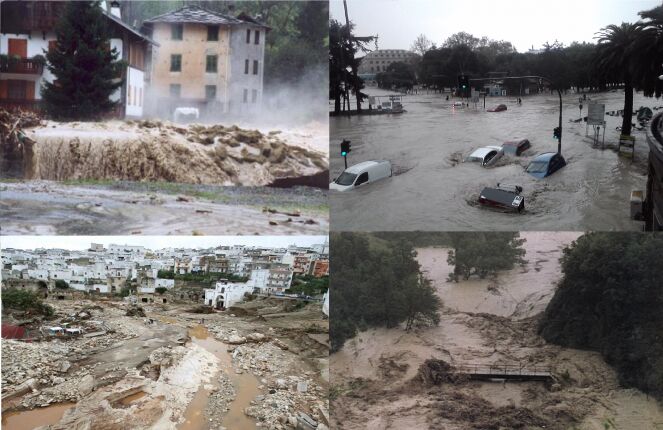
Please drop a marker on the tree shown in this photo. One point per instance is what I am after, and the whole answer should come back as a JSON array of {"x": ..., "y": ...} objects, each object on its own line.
[
  {"x": 461, "y": 39},
  {"x": 484, "y": 254},
  {"x": 61, "y": 284},
  {"x": 610, "y": 300},
  {"x": 421, "y": 45},
  {"x": 87, "y": 72},
  {"x": 13, "y": 298},
  {"x": 344, "y": 66},
  {"x": 649, "y": 50},
  {"x": 398, "y": 74},
  {"x": 160, "y": 290},
  {"x": 615, "y": 60}
]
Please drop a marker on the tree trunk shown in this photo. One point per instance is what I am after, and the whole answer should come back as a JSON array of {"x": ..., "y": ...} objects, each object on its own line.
[
  {"x": 628, "y": 107},
  {"x": 337, "y": 103}
]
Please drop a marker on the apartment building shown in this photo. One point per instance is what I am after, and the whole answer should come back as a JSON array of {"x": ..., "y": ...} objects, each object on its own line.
[{"x": 208, "y": 61}]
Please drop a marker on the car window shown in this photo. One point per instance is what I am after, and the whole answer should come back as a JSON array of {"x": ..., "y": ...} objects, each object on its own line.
[
  {"x": 362, "y": 178},
  {"x": 346, "y": 178},
  {"x": 489, "y": 156},
  {"x": 537, "y": 167},
  {"x": 509, "y": 149}
]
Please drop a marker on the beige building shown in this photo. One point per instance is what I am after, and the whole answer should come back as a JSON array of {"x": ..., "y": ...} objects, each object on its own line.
[
  {"x": 206, "y": 60},
  {"x": 377, "y": 61}
]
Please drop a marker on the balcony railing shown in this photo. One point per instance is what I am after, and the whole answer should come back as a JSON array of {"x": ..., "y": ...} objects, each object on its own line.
[
  {"x": 23, "y": 65},
  {"x": 25, "y": 105}
]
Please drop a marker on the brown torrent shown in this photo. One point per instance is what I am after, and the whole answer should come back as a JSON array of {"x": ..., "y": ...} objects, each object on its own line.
[{"x": 198, "y": 154}]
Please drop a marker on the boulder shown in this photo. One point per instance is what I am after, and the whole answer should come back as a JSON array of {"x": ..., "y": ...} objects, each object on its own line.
[{"x": 236, "y": 339}]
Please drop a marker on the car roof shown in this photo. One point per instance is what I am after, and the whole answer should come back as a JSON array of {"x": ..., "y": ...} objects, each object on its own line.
[
  {"x": 358, "y": 168},
  {"x": 483, "y": 151},
  {"x": 514, "y": 142},
  {"x": 546, "y": 156}
]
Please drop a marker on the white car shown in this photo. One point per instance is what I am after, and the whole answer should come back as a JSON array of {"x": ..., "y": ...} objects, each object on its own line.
[
  {"x": 361, "y": 174},
  {"x": 487, "y": 155}
]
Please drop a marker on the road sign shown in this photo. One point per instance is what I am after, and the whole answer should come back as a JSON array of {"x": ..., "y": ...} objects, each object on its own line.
[{"x": 596, "y": 114}]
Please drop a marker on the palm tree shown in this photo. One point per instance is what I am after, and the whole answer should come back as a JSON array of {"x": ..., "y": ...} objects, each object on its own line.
[
  {"x": 615, "y": 58},
  {"x": 649, "y": 46}
]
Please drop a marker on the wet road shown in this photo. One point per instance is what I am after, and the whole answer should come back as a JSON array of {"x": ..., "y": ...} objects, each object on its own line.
[{"x": 431, "y": 190}]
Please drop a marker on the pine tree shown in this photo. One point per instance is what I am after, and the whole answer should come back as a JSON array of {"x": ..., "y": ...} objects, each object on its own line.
[{"x": 86, "y": 70}]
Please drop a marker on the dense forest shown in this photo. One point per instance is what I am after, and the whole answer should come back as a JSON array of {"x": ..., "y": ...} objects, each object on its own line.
[
  {"x": 610, "y": 300},
  {"x": 297, "y": 42},
  {"x": 376, "y": 283}
]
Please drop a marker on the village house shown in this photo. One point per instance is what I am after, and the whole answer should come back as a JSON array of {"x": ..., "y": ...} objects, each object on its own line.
[
  {"x": 27, "y": 32},
  {"x": 225, "y": 294},
  {"x": 207, "y": 61},
  {"x": 319, "y": 268}
]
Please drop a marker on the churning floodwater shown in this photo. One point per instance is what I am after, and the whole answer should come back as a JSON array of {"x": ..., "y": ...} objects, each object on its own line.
[{"x": 432, "y": 189}]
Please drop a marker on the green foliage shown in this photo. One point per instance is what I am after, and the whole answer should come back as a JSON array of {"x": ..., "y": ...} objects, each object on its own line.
[
  {"x": 343, "y": 66},
  {"x": 397, "y": 75},
  {"x": 377, "y": 283},
  {"x": 309, "y": 285},
  {"x": 61, "y": 284},
  {"x": 160, "y": 290},
  {"x": 610, "y": 300},
  {"x": 24, "y": 300},
  {"x": 86, "y": 71},
  {"x": 200, "y": 277},
  {"x": 125, "y": 292},
  {"x": 484, "y": 254}
]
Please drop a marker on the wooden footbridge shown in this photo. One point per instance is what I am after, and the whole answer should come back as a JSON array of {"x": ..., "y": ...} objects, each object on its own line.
[{"x": 505, "y": 371}]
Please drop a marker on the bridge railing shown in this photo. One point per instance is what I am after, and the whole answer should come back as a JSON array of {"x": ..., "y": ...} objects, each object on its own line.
[{"x": 503, "y": 369}]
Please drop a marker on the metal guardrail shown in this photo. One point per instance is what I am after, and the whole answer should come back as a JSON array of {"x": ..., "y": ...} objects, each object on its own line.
[{"x": 504, "y": 369}]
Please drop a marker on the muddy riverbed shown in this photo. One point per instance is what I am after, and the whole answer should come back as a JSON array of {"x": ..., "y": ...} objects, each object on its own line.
[
  {"x": 492, "y": 321},
  {"x": 48, "y": 207},
  {"x": 432, "y": 189}
]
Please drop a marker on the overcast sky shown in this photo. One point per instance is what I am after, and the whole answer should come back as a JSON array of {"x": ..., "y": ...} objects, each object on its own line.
[
  {"x": 522, "y": 22},
  {"x": 155, "y": 242}
]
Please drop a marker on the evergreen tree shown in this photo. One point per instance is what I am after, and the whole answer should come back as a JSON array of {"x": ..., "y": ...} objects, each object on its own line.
[{"x": 86, "y": 70}]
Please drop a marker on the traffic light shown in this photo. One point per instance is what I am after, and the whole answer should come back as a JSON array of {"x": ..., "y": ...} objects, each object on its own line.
[
  {"x": 345, "y": 147},
  {"x": 557, "y": 133},
  {"x": 463, "y": 82}
]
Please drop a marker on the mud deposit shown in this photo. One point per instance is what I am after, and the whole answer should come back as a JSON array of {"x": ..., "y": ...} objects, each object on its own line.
[
  {"x": 28, "y": 420},
  {"x": 45, "y": 207},
  {"x": 162, "y": 151},
  {"x": 378, "y": 384}
]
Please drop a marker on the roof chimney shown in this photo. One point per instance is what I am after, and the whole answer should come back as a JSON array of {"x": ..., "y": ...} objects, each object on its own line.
[{"x": 115, "y": 9}]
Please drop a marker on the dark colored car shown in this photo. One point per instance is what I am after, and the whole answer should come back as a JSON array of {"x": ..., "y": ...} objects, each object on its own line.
[
  {"x": 498, "y": 108},
  {"x": 516, "y": 147},
  {"x": 545, "y": 164},
  {"x": 503, "y": 197}
]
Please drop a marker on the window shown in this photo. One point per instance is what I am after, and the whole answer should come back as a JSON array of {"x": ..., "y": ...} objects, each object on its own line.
[
  {"x": 255, "y": 67},
  {"x": 246, "y": 95},
  {"x": 17, "y": 90},
  {"x": 176, "y": 63},
  {"x": 361, "y": 179},
  {"x": 256, "y": 39},
  {"x": 210, "y": 92},
  {"x": 175, "y": 90},
  {"x": 210, "y": 66},
  {"x": 212, "y": 33},
  {"x": 176, "y": 31},
  {"x": 248, "y": 36},
  {"x": 254, "y": 96},
  {"x": 246, "y": 67}
]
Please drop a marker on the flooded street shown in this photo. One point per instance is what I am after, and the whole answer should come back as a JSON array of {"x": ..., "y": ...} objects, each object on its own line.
[{"x": 432, "y": 189}]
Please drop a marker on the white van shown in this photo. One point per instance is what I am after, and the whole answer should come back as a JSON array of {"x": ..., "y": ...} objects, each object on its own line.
[{"x": 360, "y": 174}]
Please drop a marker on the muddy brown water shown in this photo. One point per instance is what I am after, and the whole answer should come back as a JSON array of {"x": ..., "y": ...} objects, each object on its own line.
[
  {"x": 28, "y": 420},
  {"x": 432, "y": 190},
  {"x": 246, "y": 389}
]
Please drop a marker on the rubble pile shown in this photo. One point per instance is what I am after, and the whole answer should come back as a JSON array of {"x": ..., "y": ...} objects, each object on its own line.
[{"x": 12, "y": 125}]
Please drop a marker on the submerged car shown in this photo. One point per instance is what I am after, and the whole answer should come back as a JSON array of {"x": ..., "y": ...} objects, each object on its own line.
[
  {"x": 516, "y": 147},
  {"x": 545, "y": 164},
  {"x": 487, "y": 155},
  {"x": 360, "y": 174},
  {"x": 498, "y": 108},
  {"x": 506, "y": 197}
]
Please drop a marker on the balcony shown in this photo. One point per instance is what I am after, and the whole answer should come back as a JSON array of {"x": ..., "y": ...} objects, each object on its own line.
[
  {"x": 24, "y": 105},
  {"x": 21, "y": 66}
]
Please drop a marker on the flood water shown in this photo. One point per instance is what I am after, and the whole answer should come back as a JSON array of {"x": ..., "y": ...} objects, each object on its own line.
[
  {"x": 246, "y": 389},
  {"x": 431, "y": 190},
  {"x": 28, "y": 420}
]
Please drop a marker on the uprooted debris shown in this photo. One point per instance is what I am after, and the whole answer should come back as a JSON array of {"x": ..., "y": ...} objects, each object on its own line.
[
  {"x": 436, "y": 372},
  {"x": 202, "y": 309},
  {"x": 135, "y": 311}
]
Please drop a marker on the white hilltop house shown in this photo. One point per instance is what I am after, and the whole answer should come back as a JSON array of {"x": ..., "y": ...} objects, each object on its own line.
[{"x": 226, "y": 294}]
